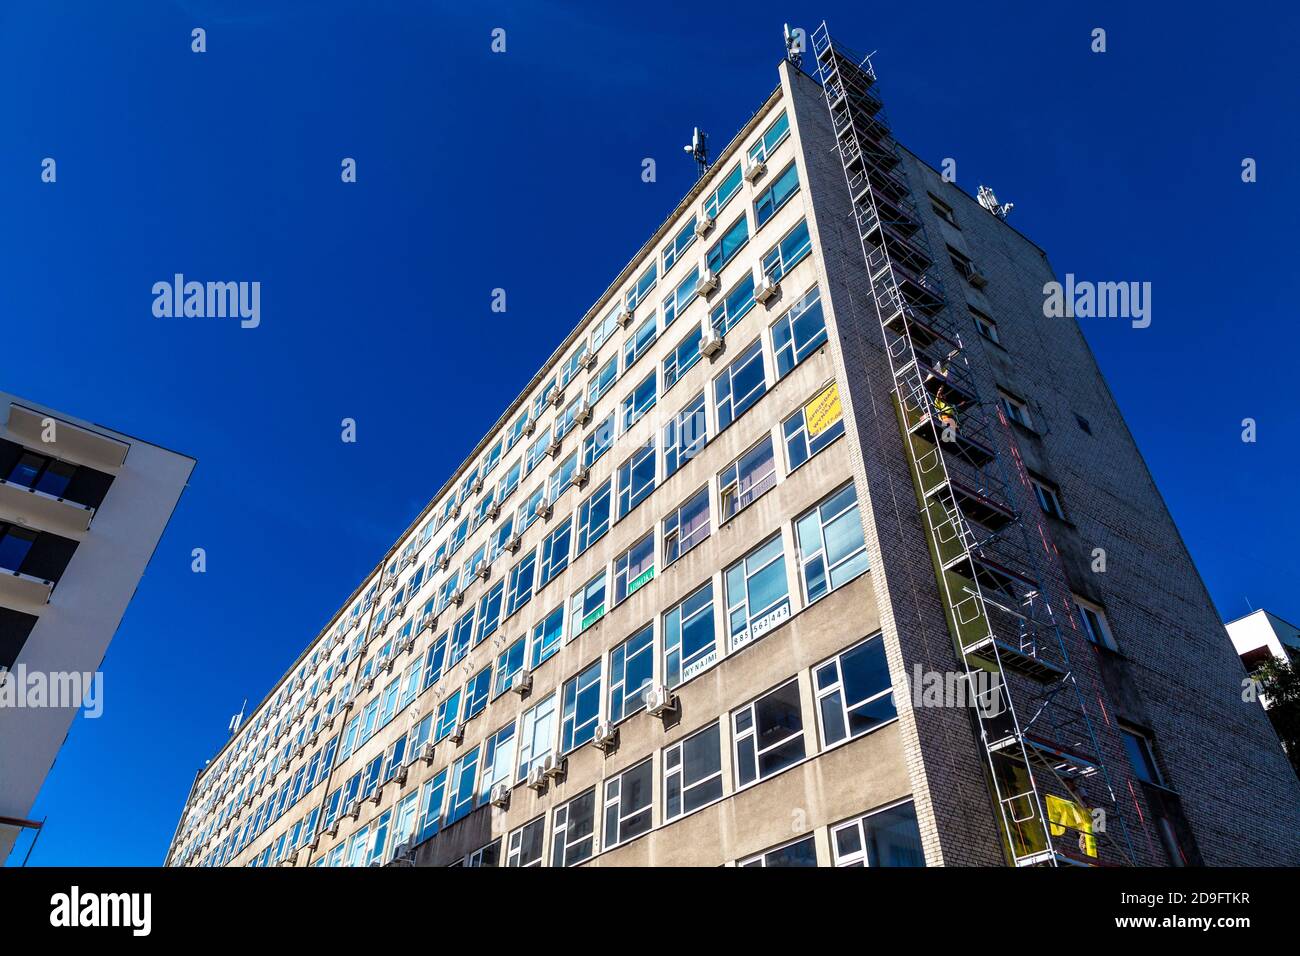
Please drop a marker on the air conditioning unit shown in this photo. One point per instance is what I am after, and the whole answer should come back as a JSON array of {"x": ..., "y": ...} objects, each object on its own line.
[
  {"x": 313, "y": 843},
  {"x": 429, "y": 622},
  {"x": 537, "y": 778},
  {"x": 512, "y": 543},
  {"x": 457, "y": 596},
  {"x": 455, "y": 510},
  {"x": 581, "y": 474},
  {"x": 606, "y": 737},
  {"x": 354, "y": 810},
  {"x": 302, "y": 749},
  {"x": 482, "y": 569},
  {"x": 444, "y": 562},
  {"x": 401, "y": 608},
  {"x": 315, "y": 736},
  {"x": 329, "y": 722},
  {"x": 377, "y": 795},
  {"x": 765, "y": 289},
  {"x": 587, "y": 361},
  {"x": 707, "y": 283},
  {"x": 476, "y": 485},
  {"x": 409, "y": 645},
  {"x": 553, "y": 766},
  {"x": 426, "y": 753},
  {"x": 583, "y": 414},
  {"x": 529, "y": 427},
  {"x": 248, "y": 800},
  {"x": 553, "y": 449},
  {"x": 556, "y": 398},
  {"x": 543, "y": 509},
  {"x": 333, "y": 831},
  {"x": 500, "y": 796},
  {"x": 754, "y": 169},
  {"x": 458, "y": 732},
  {"x": 494, "y": 510},
  {"x": 703, "y": 224},
  {"x": 711, "y": 341},
  {"x": 402, "y": 853},
  {"x": 383, "y": 627},
  {"x": 401, "y": 775},
  {"x": 623, "y": 316},
  {"x": 978, "y": 279},
  {"x": 388, "y": 667},
  {"x": 369, "y": 684},
  {"x": 659, "y": 700},
  {"x": 291, "y": 859},
  {"x": 523, "y": 683}
]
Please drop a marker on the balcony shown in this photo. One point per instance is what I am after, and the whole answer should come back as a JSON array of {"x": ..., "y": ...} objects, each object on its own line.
[
  {"x": 70, "y": 441},
  {"x": 44, "y": 510},
  {"x": 22, "y": 591}
]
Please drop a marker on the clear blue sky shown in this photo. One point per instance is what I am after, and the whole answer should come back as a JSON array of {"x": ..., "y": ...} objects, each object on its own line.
[{"x": 479, "y": 171}]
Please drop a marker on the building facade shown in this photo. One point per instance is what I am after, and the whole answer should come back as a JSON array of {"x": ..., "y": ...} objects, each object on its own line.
[
  {"x": 82, "y": 508},
  {"x": 694, "y": 599}
]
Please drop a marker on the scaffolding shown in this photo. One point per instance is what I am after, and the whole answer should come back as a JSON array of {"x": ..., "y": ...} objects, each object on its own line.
[{"x": 1000, "y": 580}]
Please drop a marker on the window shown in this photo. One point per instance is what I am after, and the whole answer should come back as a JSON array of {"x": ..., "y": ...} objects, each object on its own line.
[
  {"x": 434, "y": 660},
  {"x": 644, "y": 284},
  {"x": 685, "y": 355},
  {"x": 731, "y": 241},
  {"x": 461, "y": 791},
  {"x": 854, "y": 693},
  {"x": 1142, "y": 755},
  {"x": 942, "y": 209},
  {"x": 598, "y": 441},
  {"x": 1015, "y": 408},
  {"x": 44, "y": 474},
  {"x": 801, "y": 852},
  {"x": 1049, "y": 498},
  {"x": 690, "y": 637},
  {"x": 734, "y": 305},
  {"x": 498, "y": 760},
  {"x": 961, "y": 262},
  {"x": 768, "y": 734},
  {"x": 546, "y": 636},
  {"x": 636, "y": 478},
  {"x": 634, "y": 568},
  {"x": 524, "y": 846},
  {"x": 985, "y": 326},
  {"x": 631, "y": 671},
  {"x": 773, "y": 136},
  {"x": 476, "y": 692},
  {"x": 885, "y": 838},
  {"x": 485, "y": 856},
  {"x": 536, "y": 736},
  {"x": 489, "y": 612},
  {"x": 717, "y": 200},
  {"x": 627, "y": 804},
  {"x": 776, "y": 195},
  {"x": 565, "y": 420},
  {"x": 1083, "y": 423},
  {"x": 521, "y": 583},
  {"x": 602, "y": 380},
  {"x": 588, "y": 605},
  {"x": 687, "y": 526},
  {"x": 461, "y": 636},
  {"x": 747, "y": 478},
  {"x": 593, "y": 518},
  {"x": 639, "y": 401},
  {"x": 510, "y": 664},
  {"x": 601, "y": 333},
  {"x": 681, "y": 297},
  {"x": 555, "y": 552},
  {"x": 813, "y": 427},
  {"x": 1095, "y": 625},
  {"x": 448, "y": 716},
  {"x": 501, "y": 536},
  {"x": 681, "y": 242},
  {"x": 580, "y": 708},
  {"x": 757, "y": 593},
  {"x": 693, "y": 772},
  {"x": 741, "y": 385},
  {"x": 787, "y": 253},
  {"x": 685, "y": 435},
  {"x": 637, "y": 343},
  {"x": 15, "y": 544},
  {"x": 799, "y": 332},
  {"x": 537, "y": 451},
  {"x": 573, "y": 838},
  {"x": 831, "y": 544}
]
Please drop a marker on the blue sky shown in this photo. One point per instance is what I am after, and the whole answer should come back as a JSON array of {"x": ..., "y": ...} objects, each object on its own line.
[{"x": 478, "y": 171}]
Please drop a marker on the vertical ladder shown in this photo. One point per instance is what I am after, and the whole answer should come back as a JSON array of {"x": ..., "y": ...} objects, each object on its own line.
[{"x": 1044, "y": 767}]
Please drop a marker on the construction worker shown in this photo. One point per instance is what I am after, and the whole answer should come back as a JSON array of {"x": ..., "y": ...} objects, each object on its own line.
[{"x": 947, "y": 413}]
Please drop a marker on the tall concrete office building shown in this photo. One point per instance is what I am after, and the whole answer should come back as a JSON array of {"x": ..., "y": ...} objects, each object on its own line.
[
  {"x": 81, "y": 510},
  {"x": 813, "y": 543}
]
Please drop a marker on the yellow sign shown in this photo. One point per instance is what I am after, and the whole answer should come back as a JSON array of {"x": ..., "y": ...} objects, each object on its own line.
[
  {"x": 1065, "y": 814},
  {"x": 823, "y": 411}
]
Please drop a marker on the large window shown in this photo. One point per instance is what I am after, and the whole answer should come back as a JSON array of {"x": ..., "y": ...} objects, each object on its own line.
[
  {"x": 813, "y": 426},
  {"x": 683, "y": 357},
  {"x": 747, "y": 478},
  {"x": 636, "y": 478},
  {"x": 1095, "y": 625},
  {"x": 510, "y": 664},
  {"x": 831, "y": 545},
  {"x": 461, "y": 791},
  {"x": 734, "y": 305},
  {"x": 686, "y": 526},
  {"x": 631, "y": 671},
  {"x": 802, "y": 852},
  {"x": 627, "y": 804},
  {"x": 787, "y": 253},
  {"x": 489, "y": 612},
  {"x": 731, "y": 241},
  {"x": 634, "y": 568},
  {"x": 798, "y": 332},
  {"x": 555, "y": 552},
  {"x": 693, "y": 772},
  {"x": 639, "y": 341},
  {"x": 580, "y": 708},
  {"x": 536, "y": 736},
  {"x": 854, "y": 693},
  {"x": 521, "y": 583},
  {"x": 573, "y": 838},
  {"x": 546, "y": 636},
  {"x": 690, "y": 637},
  {"x": 758, "y": 596},
  {"x": 524, "y": 846},
  {"x": 740, "y": 385},
  {"x": 775, "y": 196},
  {"x": 772, "y": 137},
  {"x": 768, "y": 734},
  {"x": 685, "y": 435},
  {"x": 593, "y": 517},
  {"x": 498, "y": 760},
  {"x": 476, "y": 692},
  {"x": 681, "y": 242},
  {"x": 448, "y": 715},
  {"x": 887, "y": 837},
  {"x": 598, "y": 441},
  {"x": 676, "y": 303},
  {"x": 462, "y": 636},
  {"x": 603, "y": 380},
  {"x": 717, "y": 200},
  {"x": 639, "y": 401},
  {"x": 644, "y": 284},
  {"x": 588, "y": 605}
]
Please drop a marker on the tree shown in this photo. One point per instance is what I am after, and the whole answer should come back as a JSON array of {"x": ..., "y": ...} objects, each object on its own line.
[{"x": 1279, "y": 682}]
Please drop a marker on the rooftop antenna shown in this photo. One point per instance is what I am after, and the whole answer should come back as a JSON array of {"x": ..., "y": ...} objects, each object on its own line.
[
  {"x": 794, "y": 45},
  {"x": 238, "y": 719},
  {"x": 990, "y": 202},
  {"x": 698, "y": 147}
]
